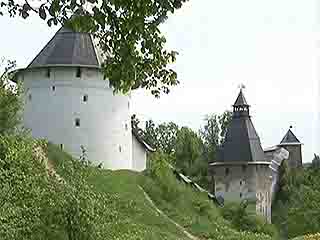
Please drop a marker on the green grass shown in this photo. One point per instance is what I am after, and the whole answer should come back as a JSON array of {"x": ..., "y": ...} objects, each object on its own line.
[
  {"x": 132, "y": 216},
  {"x": 194, "y": 211}
]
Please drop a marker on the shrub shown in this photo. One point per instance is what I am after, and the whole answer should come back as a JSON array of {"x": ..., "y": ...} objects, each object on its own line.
[{"x": 241, "y": 220}]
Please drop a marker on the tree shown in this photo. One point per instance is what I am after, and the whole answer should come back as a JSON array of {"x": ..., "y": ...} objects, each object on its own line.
[
  {"x": 135, "y": 121},
  {"x": 128, "y": 34},
  {"x": 213, "y": 133},
  {"x": 23, "y": 184},
  {"x": 224, "y": 121},
  {"x": 10, "y": 103},
  {"x": 167, "y": 137},
  {"x": 150, "y": 134},
  {"x": 188, "y": 149},
  {"x": 162, "y": 137}
]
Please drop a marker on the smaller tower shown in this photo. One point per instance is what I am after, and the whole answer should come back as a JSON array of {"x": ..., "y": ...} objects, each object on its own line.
[
  {"x": 241, "y": 172},
  {"x": 291, "y": 143}
]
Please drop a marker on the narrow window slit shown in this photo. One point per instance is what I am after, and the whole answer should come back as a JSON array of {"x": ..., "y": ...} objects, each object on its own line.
[
  {"x": 78, "y": 74},
  {"x": 77, "y": 122},
  {"x": 48, "y": 72}
]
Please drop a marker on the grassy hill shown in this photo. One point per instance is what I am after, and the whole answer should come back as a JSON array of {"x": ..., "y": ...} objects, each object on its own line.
[
  {"x": 69, "y": 200},
  {"x": 133, "y": 217}
]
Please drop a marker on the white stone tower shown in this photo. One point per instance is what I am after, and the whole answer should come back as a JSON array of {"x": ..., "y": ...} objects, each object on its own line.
[{"x": 68, "y": 102}]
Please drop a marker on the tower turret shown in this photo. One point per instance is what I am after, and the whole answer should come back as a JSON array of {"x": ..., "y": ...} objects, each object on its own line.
[
  {"x": 241, "y": 171},
  {"x": 291, "y": 143},
  {"x": 241, "y": 107}
]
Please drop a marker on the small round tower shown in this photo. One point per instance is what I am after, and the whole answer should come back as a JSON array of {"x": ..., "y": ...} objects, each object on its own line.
[
  {"x": 291, "y": 143},
  {"x": 68, "y": 102}
]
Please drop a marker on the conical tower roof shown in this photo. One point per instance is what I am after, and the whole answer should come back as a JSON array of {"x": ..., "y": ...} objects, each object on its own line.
[
  {"x": 68, "y": 48},
  {"x": 290, "y": 139},
  {"x": 241, "y": 100},
  {"x": 242, "y": 143}
]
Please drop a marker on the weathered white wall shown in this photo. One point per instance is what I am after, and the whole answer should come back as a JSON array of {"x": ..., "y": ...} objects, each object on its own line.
[
  {"x": 139, "y": 155},
  {"x": 105, "y": 125},
  {"x": 253, "y": 183},
  {"x": 238, "y": 181}
]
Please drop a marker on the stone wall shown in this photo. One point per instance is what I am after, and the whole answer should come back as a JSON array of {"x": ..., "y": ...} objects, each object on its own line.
[
  {"x": 263, "y": 191},
  {"x": 246, "y": 181},
  {"x": 295, "y": 155}
]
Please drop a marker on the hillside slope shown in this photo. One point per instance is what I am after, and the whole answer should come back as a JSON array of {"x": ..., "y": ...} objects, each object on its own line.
[
  {"x": 57, "y": 197},
  {"x": 131, "y": 216}
]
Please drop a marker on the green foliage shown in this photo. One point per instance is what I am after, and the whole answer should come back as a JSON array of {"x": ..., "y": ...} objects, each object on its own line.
[
  {"x": 124, "y": 212},
  {"x": 81, "y": 207},
  {"x": 91, "y": 203},
  {"x": 127, "y": 31},
  {"x": 25, "y": 189},
  {"x": 241, "y": 220},
  {"x": 213, "y": 133},
  {"x": 10, "y": 103},
  {"x": 36, "y": 204},
  {"x": 162, "y": 137},
  {"x": 192, "y": 209},
  {"x": 296, "y": 209},
  {"x": 188, "y": 149},
  {"x": 166, "y": 134}
]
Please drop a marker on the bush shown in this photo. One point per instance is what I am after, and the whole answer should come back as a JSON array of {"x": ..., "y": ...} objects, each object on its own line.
[{"x": 241, "y": 220}]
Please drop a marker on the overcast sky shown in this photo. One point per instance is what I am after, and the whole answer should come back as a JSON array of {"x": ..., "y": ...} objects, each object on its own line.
[{"x": 270, "y": 46}]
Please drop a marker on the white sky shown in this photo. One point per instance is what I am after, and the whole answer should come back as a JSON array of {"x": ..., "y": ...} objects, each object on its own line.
[{"x": 270, "y": 46}]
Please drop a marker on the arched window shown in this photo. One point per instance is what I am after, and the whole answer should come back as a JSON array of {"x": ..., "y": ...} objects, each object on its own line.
[{"x": 85, "y": 98}]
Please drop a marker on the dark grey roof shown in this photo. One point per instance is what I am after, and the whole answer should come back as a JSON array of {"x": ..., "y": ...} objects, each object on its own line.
[
  {"x": 290, "y": 138},
  {"x": 242, "y": 142},
  {"x": 241, "y": 100},
  {"x": 68, "y": 48}
]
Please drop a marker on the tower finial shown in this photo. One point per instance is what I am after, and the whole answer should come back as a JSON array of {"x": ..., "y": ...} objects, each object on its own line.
[
  {"x": 290, "y": 127},
  {"x": 241, "y": 86}
]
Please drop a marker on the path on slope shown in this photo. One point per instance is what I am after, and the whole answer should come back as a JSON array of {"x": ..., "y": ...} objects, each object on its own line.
[{"x": 189, "y": 235}]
